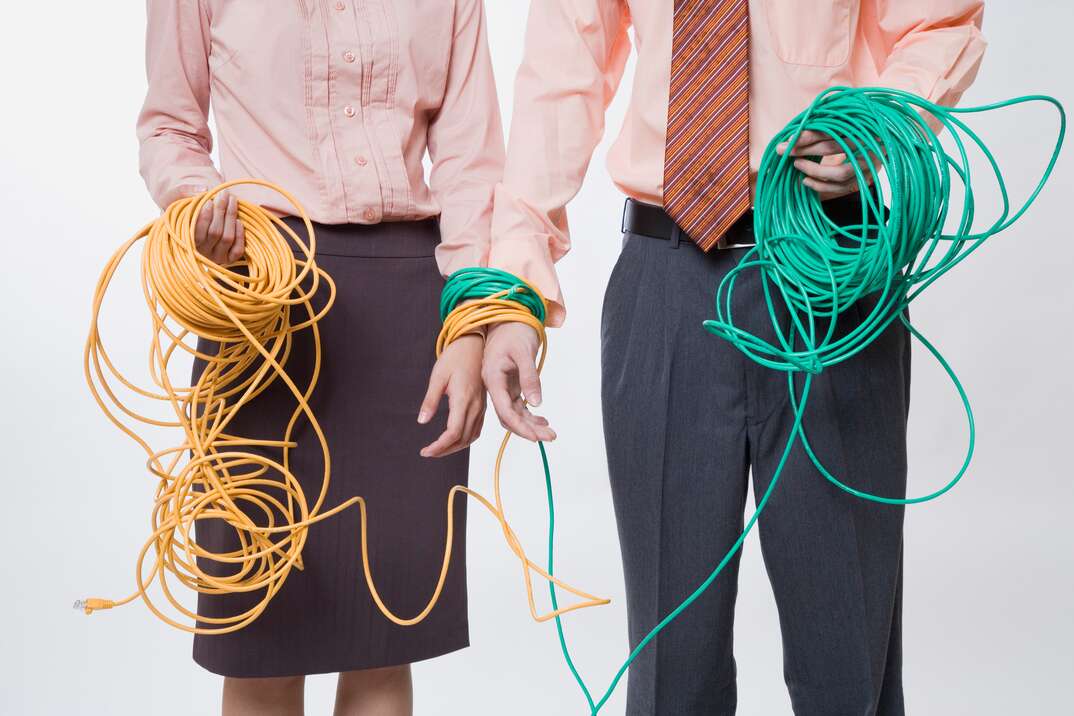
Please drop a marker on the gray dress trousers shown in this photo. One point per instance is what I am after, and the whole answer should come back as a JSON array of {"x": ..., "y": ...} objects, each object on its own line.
[{"x": 687, "y": 418}]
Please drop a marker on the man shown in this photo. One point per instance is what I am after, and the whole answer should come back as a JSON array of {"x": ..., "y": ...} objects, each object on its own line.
[{"x": 686, "y": 415}]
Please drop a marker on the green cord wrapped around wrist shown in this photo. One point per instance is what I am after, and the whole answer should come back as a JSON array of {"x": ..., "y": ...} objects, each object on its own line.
[{"x": 480, "y": 282}]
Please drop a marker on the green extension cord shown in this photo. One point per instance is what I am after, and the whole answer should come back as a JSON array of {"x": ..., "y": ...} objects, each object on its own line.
[
  {"x": 470, "y": 283},
  {"x": 820, "y": 269}
]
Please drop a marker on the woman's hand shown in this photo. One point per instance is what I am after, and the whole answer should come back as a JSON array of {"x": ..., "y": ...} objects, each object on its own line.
[
  {"x": 218, "y": 233},
  {"x": 457, "y": 374},
  {"x": 510, "y": 369}
]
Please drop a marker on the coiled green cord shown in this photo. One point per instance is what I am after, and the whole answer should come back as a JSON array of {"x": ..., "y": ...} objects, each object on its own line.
[
  {"x": 819, "y": 269},
  {"x": 479, "y": 282}
]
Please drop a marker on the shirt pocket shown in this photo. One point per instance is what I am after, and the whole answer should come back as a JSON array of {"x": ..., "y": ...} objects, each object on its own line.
[
  {"x": 249, "y": 42},
  {"x": 810, "y": 32}
]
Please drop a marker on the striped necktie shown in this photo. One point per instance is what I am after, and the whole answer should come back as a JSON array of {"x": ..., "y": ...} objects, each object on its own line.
[{"x": 706, "y": 160}]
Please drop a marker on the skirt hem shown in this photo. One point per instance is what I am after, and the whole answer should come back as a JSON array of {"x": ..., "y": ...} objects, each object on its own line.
[{"x": 221, "y": 670}]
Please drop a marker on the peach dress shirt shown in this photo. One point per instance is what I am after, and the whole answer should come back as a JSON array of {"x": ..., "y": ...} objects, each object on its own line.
[
  {"x": 337, "y": 101},
  {"x": 574, "y": 58}
]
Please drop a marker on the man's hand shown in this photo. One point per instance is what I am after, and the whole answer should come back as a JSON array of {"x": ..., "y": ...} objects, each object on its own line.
[
  {"x": 510, "y": 374},
  {"x": 457, "y": 374},
  {"x": 833, "y": 176},
  {"x": 218, "y": 233}
]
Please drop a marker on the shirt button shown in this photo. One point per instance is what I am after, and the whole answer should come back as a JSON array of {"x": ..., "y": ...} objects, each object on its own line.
[
  {"x": 348, "y": 111},
  {"x": 348, "y": 56},
  {"x": 340, "y": 6},
  {"x": 369, "y": 214},
  {"x": 360, "y": 160}
]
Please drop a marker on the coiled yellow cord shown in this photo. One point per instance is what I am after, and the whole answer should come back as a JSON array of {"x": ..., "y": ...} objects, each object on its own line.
[
  {"x": 469, "y": 318},
  {"x": 247, "y": 308}
]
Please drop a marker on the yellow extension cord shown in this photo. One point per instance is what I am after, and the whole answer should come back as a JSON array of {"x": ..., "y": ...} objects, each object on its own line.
[{"x": 247, "y": 309}]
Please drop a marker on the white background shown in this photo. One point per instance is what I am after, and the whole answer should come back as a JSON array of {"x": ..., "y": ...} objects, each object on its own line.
[{"x": 988, "y": 568}]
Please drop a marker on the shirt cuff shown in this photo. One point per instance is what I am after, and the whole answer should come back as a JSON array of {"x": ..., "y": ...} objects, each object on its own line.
[{"x": 529, "y": 258}]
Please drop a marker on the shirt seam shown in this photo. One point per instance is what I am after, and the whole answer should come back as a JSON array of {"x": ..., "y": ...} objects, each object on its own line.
[{"x": 330, "y": 102}]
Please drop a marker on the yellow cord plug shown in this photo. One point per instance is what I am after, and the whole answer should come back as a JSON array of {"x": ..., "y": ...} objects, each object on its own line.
[{"x": 94, "y": 604}]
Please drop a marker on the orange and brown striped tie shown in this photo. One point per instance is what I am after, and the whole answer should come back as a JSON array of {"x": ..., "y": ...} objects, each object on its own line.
[{"x": 706, "y": 162}]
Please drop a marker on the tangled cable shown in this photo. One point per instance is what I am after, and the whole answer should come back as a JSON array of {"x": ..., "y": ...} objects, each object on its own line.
[
  {"x": 817, "y": 269},
  {"x": 248, "y": 309}
]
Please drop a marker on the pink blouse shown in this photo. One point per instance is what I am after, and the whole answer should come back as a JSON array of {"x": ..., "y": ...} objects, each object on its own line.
[
  {"x": 335, "y": 100},
  {"x": 576, "y": 51}
]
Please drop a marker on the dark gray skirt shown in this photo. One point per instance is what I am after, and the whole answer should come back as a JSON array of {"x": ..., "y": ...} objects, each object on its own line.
[{"x": 378, "y": 342}]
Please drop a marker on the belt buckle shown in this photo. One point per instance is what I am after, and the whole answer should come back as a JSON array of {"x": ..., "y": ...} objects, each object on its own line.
[{"x": 724, "y": 242}]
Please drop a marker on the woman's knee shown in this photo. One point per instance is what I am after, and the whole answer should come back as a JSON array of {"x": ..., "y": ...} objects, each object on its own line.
[
  {"x": 378, "y": 677},
  {"x": 270, "y": 696}
]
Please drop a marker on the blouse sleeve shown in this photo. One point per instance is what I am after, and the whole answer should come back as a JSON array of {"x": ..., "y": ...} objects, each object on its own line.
[
  {"x": 465, "y": 141},
  {"x": 173, "y": 130}
]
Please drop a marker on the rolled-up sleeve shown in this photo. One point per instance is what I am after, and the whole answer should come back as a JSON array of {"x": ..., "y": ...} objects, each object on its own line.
[
  {"x": 465, "y": 141},
  {"x": 173, "y": 130},
  {"x": 931, "y": 47},
  {"x": 573, "y": 62}
]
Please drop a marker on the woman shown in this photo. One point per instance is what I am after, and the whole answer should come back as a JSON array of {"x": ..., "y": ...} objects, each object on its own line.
[{"x": 338, "y": 101}]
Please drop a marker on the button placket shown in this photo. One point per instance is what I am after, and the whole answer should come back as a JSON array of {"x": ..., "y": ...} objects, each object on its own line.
[{"x": 362, "y": 183}]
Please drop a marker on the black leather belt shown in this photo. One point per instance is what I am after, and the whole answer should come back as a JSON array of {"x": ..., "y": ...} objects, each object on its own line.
[{"x": 652, "y": 221}]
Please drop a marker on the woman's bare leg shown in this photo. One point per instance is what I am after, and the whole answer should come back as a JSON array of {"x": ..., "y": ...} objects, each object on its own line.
[
  {"x": 375, "y": 692},
  {"x": 264, "y": 697}
]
